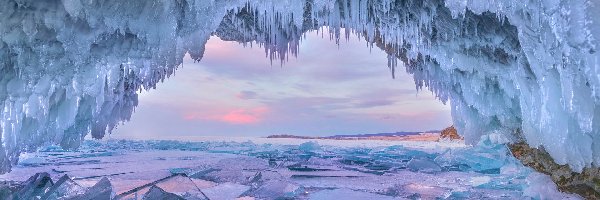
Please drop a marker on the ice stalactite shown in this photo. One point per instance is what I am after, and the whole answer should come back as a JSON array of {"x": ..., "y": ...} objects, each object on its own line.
[
  {"x": 72, "y": 68},
  {"x": 526, "y": 71}
]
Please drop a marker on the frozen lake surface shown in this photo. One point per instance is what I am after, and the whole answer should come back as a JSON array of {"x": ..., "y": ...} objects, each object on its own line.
[{"x": 260, "y": 168}]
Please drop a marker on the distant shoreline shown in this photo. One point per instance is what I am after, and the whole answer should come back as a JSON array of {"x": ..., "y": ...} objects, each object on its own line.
[{"x": 398, "y": 136}]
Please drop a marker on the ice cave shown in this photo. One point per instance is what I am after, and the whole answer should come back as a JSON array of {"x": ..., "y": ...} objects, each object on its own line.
[{"x": 522, "y": 74}]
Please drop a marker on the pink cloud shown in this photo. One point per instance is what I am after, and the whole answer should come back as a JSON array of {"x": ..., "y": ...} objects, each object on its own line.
[{"x": 238, "y": 116}]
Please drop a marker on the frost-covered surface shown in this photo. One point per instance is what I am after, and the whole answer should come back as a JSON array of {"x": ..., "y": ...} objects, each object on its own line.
[
  {"x": 227, "y": 170},
  {"x": 521, "y": 70},
  {"x": 553, "y": 82}
]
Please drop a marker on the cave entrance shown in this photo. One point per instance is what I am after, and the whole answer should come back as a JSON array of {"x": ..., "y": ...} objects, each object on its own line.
[{"x": 328, "y": 89}]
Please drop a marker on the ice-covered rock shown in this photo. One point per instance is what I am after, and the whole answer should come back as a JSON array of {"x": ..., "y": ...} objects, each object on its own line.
[
  {"x": 541, "y": 186},
  {"x": 552, "y": 82},
  {"x": 485, "y": 157}
]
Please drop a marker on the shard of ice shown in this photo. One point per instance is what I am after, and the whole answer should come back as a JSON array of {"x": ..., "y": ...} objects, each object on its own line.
[
  {"x": 276, "y": 190},
  {"x": 527, "y": 71},
  {"x": 101, "y": 190},
  {"x": 64, "y": 188},
  {"x": 156, "y": 193},
  {"x": 225, "y": 191},
  {"x": 35, "y": 186},
  {"x": 423, "y": 165}
]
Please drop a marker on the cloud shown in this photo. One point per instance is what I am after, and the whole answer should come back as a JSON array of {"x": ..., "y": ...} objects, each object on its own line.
[
  {"x": 237, "y": 116},
  {"x": 299, "y": 105},
  {"x": 245, "y": 116},
  {"x": 332, "y": 71},
  {"x": 246, "y": 95},
  {"x": 374, "y": 103}
]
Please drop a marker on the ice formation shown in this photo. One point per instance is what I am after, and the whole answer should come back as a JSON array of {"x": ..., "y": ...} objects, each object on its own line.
[
  {"x": 71, "y": 68},
  {"x": 522, "y": 70}
]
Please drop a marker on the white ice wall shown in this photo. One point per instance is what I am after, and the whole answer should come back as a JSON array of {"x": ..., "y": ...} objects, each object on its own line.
[
  {"x": 73, "y": 67},
  {"x": 557, "y": 80}
]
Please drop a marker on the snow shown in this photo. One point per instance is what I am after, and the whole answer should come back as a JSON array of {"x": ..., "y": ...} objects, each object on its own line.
[{"x": 516, "y": 69}]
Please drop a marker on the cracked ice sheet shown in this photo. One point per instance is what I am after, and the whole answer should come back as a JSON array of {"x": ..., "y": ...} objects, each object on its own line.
[
  {"x": 126, "y": 169},
  {"x": 300, "y": 170}
]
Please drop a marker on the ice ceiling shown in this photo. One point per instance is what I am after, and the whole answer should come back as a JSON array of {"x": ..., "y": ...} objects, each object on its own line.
[{"x": 518, "y": 70}]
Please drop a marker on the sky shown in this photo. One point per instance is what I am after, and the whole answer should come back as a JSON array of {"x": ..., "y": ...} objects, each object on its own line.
[{"x": 328, "y": 89}]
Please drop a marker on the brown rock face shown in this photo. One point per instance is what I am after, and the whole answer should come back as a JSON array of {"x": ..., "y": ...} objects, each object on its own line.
[
  {"x": 586, "y": 183},
  {"x": 450, "y": 133}
]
